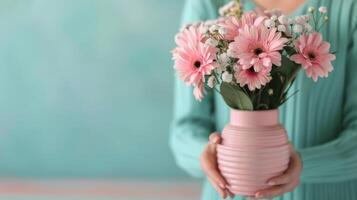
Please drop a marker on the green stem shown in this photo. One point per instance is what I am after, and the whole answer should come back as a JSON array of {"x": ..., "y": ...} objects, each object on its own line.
[
  {"x": 322, "y": 25},
  {"x": 216, "y": 76},
  {"x": 315, "y": 20},
  {"x": 245, "y": 91},
  {"x": 219, "y": 92},
  {"x": 287, "y": 98}
]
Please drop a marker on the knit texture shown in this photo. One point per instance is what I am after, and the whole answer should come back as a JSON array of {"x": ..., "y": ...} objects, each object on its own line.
[{"x": 321, "y": 120}]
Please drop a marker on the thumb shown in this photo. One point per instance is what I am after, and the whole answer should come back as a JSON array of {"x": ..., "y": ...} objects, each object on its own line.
[{"x": 215, "y": 138}]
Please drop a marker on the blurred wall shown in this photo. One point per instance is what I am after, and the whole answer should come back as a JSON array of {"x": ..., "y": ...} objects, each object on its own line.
[{"x": 86, "y": 88}]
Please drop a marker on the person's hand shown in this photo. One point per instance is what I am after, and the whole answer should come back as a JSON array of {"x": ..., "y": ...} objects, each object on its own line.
[
  {"x": 209, "y": 165},
  {"x": 286, "y": 182}
]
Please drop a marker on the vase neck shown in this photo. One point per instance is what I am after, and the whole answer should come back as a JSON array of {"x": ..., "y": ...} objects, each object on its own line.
[{"x": 254, "y": 118}]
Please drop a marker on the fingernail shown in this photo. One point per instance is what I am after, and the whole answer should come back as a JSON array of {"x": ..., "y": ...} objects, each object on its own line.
[
  {"x": 271, "y": 183},
  {"x": 258, "y": 195},
  {"x": 222, "y": 186}
]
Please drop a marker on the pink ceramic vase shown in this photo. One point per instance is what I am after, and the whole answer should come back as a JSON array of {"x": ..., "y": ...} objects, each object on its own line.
[{"x": 254, "y": 149}]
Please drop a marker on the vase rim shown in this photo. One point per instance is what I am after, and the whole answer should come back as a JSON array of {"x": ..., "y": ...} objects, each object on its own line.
[
  {"x": 253, "y": 111},
  {"x": 254, "y": 118}
]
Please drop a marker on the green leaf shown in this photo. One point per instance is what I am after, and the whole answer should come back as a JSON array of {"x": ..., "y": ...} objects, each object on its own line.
[
  {"x": 287, "y": 98},
  {"x": 290, "y": 50},
  {"x": 276, "y": 84},
  {"x": 235, "y": 97},
  {"x": 262, "y": 107},
  {"x": 289, "y": 69}
]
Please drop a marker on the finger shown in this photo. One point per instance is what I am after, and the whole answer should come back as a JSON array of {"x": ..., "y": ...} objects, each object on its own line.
[
  {"x": 211, "y": 170},
  {"x": 277, "y": 190},
  {"x": 290, "y": 174},
  {"x": 217, "y": 177},
  {"x": 215, "y": 138},
  {"x": 230, "y": 193},
  {"x": 221, "y": 191}
]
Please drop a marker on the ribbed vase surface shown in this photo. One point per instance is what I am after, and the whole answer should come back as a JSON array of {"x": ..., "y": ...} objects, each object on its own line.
[{"x": 254, "y": 149}]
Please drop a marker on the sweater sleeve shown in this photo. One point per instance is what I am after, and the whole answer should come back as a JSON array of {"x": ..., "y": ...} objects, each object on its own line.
[
  {"x": 337, "y": 160},
  {"x": 192, "y": 122}
]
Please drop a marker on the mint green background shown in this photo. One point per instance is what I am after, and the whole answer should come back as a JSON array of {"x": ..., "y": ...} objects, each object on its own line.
[{"x": 86, "y": 88}]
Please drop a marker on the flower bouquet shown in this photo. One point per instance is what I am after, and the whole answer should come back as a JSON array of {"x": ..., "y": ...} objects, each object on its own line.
[{"x": 251, "y": 59}]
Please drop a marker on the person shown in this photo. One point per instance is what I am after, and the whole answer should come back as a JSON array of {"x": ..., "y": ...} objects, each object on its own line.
[{"x": 321, "y": 120}]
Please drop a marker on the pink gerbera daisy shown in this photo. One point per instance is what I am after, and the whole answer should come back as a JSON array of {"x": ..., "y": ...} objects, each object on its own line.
[
  {"x": 193, "y": 59},
  {"x": 251, "y": 78},
  {"x": 232, "y": 24},
  {"x": 199, "y": 91},
  {"x": 190, "y": 36},
  {"x": 258, "y": 47},
  {"x": 313, "y": 54}
]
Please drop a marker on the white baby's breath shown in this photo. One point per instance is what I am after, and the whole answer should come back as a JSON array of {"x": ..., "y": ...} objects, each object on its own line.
[
  {"x": 222, "y": 31},
  {"x": 274, "y": 17},
  {"x": 224, "y": 9},
  {"x": 300, "y": 20},
  {"x": 220, "y": 69},
  {"x": 323, "y": 9},
  {"x": 308, "y": 27},
  {"x": 214, "y": 28},
  {"x": 196, "y": 24},
  {"x": 223, "y": 59},
  {"x": 216, "y": 65},
  {"x": 227, "y": 77},
  {"x": 290, "y": 21},
  {"x": 211, "y": 42},
  {"x": 306, "y": 17},
  {"x": 311, "y": 9},
  {"x": 211, "y": 82},
  {"x": 210, "y": 22},
  {"x": 282, "y": 28},
  {"x": 236, "y": 67},
  {"x": 283, "y": 20},
  {"x": 230, "y": 53},
  {"x": 204, "y": 29},
  {"x": 269, "y": 23},
  {"x": 297, "y": 28}
]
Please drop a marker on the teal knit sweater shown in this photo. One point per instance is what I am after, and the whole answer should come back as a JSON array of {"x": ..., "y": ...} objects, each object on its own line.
[{"x": 321, "y": 120}]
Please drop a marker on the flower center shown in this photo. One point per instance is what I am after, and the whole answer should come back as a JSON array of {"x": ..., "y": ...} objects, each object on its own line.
[
  {"x": 311, "y": 55},
  {"x": 258, "y": 51},
  {"x": 251, "y": 70},
  {"x": 197, "y": 64}
]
